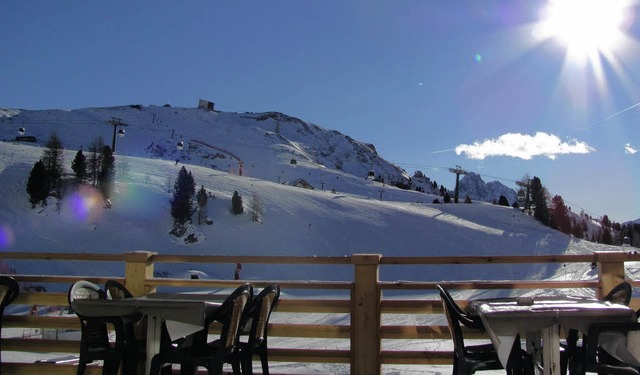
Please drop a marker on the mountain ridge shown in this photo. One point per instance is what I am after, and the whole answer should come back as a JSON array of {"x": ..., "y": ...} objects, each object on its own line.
[{"x": 161, "y": 128}]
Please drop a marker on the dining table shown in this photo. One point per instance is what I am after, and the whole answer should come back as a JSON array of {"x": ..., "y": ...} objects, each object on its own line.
[
  {"x": 539, "y": 319},
  {"x": 183, "y": 314}
]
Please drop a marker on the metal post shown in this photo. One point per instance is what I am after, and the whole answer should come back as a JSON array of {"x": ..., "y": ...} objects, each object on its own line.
[{"x": 115, "y": 122}]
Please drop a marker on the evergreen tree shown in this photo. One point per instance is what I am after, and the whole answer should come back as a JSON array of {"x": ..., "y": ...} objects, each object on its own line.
[
  {"x": 539, "y": 200},
  {"x": 236, "y": 203},
  {"x": 447, "y": 198},
  {"x": 93, "y": 164},
  {"x": 502, "y": 201},
  {"x": 182, "y": 202},
  {"x": 52, "y": 159},
  {"x": 605, "y": 221},
  {"x": 635, "y": 235},
  {"x": 201, "y": 198},
  {"x": 576, "y": 230},
  {"x": 107, "y": 172},
  {"x": 559, "y": 214},
  {"x": 37, "y": 185},
  {"x": 606, "y": 238},
  {"x": 79, "y": 166}
]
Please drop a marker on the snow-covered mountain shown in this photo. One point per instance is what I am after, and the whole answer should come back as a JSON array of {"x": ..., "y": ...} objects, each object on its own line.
[
  {"x": 344, "y": 214},
  {"x": 251, "y": 144},
  {"x": 472, "y": 185}
]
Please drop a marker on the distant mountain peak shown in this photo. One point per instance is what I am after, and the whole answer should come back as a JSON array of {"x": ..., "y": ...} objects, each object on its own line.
[{"x": 473, "y": 185}]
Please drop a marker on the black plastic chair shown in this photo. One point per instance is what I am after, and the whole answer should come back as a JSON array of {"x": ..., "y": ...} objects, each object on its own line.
[
  {"x": 9, "y": 290},
  {"x": 255, "y": 326},
  {"x": 115, "y": 290},
  {"x": 196, "y": 351},
  {"x": 620, "y": 294},
  {"x": 598, "y": 360},
  {"x": 94, "y": 341},
  {"x": 135, "y": 330},
  {"x": 467, "y": 359},
  {"x": 471, "y": 321},
  {"x": 578, "y": 358}
]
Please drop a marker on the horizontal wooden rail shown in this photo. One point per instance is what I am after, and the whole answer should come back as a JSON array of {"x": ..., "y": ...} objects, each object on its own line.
[
  {"x": 337, "y": 285},
  {"x": 109, "y": 257},
  {"x": 255, "y": 259},
  {"x": 513, "y": 259},
  {"x": 139, "y": 273},
  {"x": 482, "y": 284}
]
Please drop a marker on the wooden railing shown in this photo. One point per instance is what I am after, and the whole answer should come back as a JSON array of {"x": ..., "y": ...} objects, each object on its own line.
[{"x": 362, "y": 333}]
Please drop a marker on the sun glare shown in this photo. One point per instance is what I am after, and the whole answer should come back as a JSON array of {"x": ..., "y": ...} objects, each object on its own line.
[{"x": 585, "y": 27}]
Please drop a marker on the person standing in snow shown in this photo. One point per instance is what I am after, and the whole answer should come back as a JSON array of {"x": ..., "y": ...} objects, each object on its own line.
[{"x": 236, "y": 274}]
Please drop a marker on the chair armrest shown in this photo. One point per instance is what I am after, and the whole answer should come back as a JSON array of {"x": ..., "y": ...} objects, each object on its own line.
[
  {"x": 596, "y": 329},
  {"x": 472, "y": 321}
]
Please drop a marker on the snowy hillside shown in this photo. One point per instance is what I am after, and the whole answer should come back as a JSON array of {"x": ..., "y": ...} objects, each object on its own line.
[
  {"x": 252, "y": 144},
  {"x": 296, "y": 221},
  {"x": 344, "y": 214}
]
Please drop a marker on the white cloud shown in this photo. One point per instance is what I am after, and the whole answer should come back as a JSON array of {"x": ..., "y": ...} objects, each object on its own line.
[
  {"x": 523, "y": 146},
  {"x": 629, "y": 149}
]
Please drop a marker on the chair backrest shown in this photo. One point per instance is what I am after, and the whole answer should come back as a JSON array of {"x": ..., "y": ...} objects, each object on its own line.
[
  {"x": 255, "y": 321},
  {"x": 94, "y": 334},
  {"x": 469, "y": 321},
  {"x": 620, "y": 294},
  {"x": 9, "y": 290},
  {"x": 85, "y": 290},
  {"x": 115, "y": 290},
  {"x": 452, "y": 311},
  {"x": 230, "y": 314}
]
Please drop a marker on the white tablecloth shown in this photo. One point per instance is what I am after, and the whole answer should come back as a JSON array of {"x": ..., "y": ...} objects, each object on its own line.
[{"x": 505, "y": 319}]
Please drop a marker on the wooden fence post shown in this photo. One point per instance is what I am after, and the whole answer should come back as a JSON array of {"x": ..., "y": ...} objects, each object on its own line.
[
  {"x": 365, "y": 316},
  {"x": 610, "y": 271},
  {"x": 138, "y": 267}
]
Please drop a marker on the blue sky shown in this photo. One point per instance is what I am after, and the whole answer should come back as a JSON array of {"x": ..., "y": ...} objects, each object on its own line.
[{"x": 432, "y": 84}]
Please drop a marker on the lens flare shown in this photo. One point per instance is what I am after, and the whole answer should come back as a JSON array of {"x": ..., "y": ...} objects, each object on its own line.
[
  {"x": 133, "y": 202},
  {"x": 86, "y": 204},
  {"x": 6, "y": 236}
]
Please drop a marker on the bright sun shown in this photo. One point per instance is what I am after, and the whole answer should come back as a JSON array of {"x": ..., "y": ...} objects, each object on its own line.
[{"x": 585, "y": 27}]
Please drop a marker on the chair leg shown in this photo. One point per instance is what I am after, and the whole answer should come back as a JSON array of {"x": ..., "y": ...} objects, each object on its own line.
[
  {"x": 235, "y": 365},
  {"x": 247, "y": 363},
  {"x": 214, "y": 368},
  {"x": 110, "y": 367},
  {"x": 155, "y": 366},
  {"x": 264, "y": 360},
  {"x": 455, "y": 365},
  {"x": 81, "y": 367},
  {"x": 130, "y": 364}
]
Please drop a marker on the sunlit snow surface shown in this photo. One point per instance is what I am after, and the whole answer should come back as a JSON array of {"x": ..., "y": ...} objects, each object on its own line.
[{"x": 295, "y": 221}]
